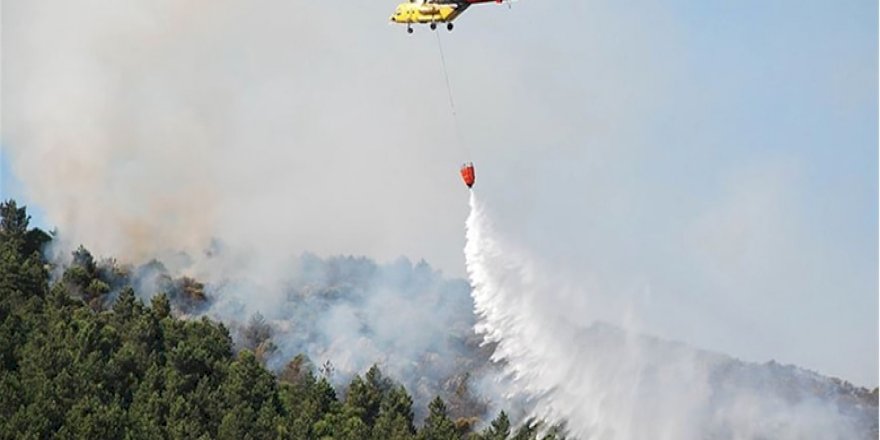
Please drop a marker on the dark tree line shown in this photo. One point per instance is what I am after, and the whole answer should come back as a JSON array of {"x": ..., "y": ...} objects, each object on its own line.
[{"x": 78, "y": 362}]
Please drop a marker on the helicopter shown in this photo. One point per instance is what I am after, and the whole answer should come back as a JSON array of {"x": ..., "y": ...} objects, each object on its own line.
[{"x": 432, "y": 12}]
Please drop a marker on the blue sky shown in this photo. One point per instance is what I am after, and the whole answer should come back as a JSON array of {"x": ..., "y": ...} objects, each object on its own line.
[
  {"x": 724, "y": 160},
  {"x": 11, "y": 188}
]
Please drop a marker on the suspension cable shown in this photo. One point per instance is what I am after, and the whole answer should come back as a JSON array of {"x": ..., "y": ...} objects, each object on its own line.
[{"x": 451, "y": 100}]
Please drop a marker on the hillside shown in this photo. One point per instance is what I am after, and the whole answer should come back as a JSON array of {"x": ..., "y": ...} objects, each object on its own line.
[
  {"x": 355, "y": 349},
  {"x": 78, "y": 362}
]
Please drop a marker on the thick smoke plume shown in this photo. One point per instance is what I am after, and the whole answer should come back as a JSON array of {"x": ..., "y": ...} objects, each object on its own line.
[
  {"x": 144, "y": 128},
  {"x": 338, "y": 317},
  {"x": 148, "y": 127},
  {"x": 348, "y": 313},
  {"x": 223, "y": 138},
  {"x": 606, "y": 382}
]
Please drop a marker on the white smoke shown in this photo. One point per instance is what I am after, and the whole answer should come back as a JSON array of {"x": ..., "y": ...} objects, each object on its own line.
[
  {"x": 143, "y": 128},
  {"x": 608, "y": 383},
  {"x": 347, "y": 313},
  {"x": 147, "y": 127}
]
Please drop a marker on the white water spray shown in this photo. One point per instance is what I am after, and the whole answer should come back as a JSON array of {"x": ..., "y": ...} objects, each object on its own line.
[{"x": 608, "y": 383}]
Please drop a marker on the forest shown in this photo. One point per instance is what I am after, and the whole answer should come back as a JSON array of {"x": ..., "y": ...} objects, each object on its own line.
[{"x": 81, "y": 356}]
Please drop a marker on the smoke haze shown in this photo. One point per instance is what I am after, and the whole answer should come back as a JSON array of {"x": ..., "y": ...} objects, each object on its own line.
[
  {"x": 605, "y": 382},
  {"x": 706, "y": 171},
  {"x": 181, "y": 123}
]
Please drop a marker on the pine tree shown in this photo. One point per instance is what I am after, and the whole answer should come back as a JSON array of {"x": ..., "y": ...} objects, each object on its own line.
[
  {"x": 13, "y": 223},
  {"x": 499, "y": 429},
  {"x": 438, "y": 426},
  {"x": 395, "y": 419},
  {"x": 160, "y": 306},
  {"x": 249, "y": 392}
]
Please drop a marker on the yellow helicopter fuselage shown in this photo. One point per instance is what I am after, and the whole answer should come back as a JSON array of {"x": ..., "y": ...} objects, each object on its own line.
[{"x": 414, "y": 13}]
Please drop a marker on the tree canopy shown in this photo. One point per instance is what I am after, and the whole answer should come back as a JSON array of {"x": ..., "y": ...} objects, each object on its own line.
[{"x": 83, "y": 357}]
